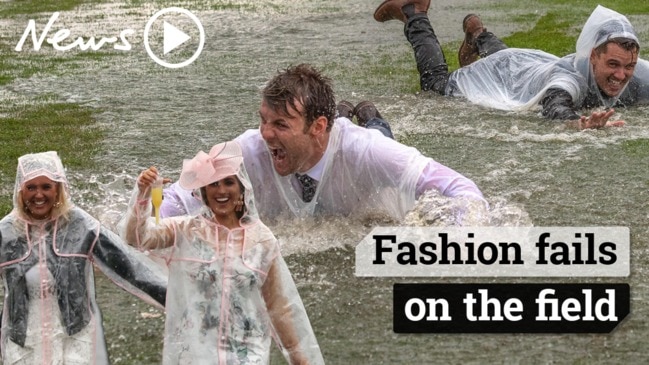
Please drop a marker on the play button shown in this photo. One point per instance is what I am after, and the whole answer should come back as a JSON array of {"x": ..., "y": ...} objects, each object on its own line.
[{"x": 174, "y": 37}]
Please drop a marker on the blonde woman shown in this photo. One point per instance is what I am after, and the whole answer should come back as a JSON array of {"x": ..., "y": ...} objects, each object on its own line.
[{"x": 47, "y": 250}]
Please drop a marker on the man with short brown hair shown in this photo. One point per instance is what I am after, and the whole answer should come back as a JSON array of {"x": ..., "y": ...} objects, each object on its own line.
[
  {"x": 604, "y": 72},
  {"x": 303, "y": 162}
]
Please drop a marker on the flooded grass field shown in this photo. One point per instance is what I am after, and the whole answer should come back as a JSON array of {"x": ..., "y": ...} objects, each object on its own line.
[{"x": 531, "y": 171}]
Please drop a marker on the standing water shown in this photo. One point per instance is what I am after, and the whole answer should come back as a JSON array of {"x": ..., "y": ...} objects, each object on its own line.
[{"x": 532, "y": 172}]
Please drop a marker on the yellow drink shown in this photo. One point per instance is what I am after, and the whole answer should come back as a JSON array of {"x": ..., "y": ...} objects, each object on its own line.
[{"x": 156, "y": 199}]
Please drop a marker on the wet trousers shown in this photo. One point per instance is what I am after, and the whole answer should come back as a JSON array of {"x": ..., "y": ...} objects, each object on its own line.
[
  {"x": 431, "y": 63},
  {"x": 380, "y": 125}
]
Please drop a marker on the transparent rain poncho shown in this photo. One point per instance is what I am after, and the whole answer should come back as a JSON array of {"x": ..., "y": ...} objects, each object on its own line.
[
  {"x": 230, "y": 290},
  {"x": 517, "y": 79},
  {"x": 50, "y": 315},
  {"x": 365, "y": 175},
  {"x": 356, "y": 177}
]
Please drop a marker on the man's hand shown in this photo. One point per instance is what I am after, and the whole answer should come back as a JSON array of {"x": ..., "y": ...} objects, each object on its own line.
[{"x": 599, "y": 120}]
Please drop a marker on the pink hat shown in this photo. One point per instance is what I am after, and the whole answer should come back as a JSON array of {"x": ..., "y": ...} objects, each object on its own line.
[{"x": 224, "y": 160}]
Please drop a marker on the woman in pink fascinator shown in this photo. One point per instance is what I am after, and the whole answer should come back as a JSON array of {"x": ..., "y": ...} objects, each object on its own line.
[{"x": 229, "y": 289}]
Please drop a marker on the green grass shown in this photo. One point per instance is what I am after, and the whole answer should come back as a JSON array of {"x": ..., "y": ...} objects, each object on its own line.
[
  {"x": 390, "y": 70},
  {"x": 551, "y": 33},
  {"x": 217, "y": 5},
  {"x": 69, "y": 129},
  {"x": 636, "y": 147},
  {"x": 17, "y": 7},
  {"x": 17, "y": 65},
  {"x": 232, "y": 6},
  {"x": 26, "y": 64},
  {"x": 584, "y": 7}
]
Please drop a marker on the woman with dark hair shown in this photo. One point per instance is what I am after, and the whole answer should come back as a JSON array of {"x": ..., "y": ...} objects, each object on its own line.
[
  {"x": 230, "y": 289},
  {"x": 47, "y": 251}
]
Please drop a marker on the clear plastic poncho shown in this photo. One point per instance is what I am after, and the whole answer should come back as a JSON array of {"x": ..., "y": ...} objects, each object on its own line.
[
  {"x": 230, "y": 290},
  {"x": 50, "y": 315},
  {"x": 365, "y": 175},
  {"x": 517, "y": 79}
]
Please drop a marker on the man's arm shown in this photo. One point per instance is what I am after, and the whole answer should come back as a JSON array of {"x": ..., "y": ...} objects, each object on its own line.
[
  {"x": 558, "y": 105},
  {"x": 178, "y": 201},
  {"x": 447, "y": 181}
]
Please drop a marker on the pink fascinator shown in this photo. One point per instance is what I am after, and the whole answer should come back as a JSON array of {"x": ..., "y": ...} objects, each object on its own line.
[{"x": 224, "y": 160}]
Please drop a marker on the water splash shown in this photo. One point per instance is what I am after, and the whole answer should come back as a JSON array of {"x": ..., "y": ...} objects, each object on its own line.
[{"x": 433, "y": 209}]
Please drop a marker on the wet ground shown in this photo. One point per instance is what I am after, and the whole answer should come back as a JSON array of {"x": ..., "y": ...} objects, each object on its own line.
[{"x": 532, "y": 172}]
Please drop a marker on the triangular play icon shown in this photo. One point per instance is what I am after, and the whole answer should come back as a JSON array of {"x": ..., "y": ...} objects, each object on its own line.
[{"x": 173, "y": 37}]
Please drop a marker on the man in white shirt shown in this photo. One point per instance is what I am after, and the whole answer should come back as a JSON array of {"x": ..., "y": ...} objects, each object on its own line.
[{"x": 351, "y": 170}]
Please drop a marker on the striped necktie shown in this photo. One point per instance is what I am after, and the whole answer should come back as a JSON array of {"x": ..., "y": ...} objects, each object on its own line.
[{"x": 309, "y": 185}]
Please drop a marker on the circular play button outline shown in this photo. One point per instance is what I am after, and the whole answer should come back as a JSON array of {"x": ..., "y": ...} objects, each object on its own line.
[{"x": 191, "y": 16}]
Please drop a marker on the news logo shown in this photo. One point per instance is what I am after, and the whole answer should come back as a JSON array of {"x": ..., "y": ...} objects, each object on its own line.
[{"x": 173, "y": 38}]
